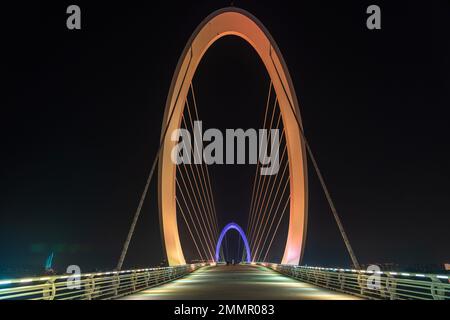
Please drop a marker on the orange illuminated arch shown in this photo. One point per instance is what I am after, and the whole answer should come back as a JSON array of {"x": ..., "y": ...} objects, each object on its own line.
[{"x": 237, "y": 22}]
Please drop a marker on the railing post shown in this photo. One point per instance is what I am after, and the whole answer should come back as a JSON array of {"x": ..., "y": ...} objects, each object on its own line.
[
  {"x": 49, "y": 291},
  {"x": 89, "y": 288},
  {"x": 341, "y": 279},
  {"x": 147, "y": 278},
  {"x": 437, "y": 289},
  {"x": 327, "y": 280},
  {"x": 391, "y": 287},
  {"x": 362, "y": 282},
  {"x": 303, "y": 274},
  {"x": 116, "y": 284},
  {"x": 314, "y": 276},
  {"x": 133, "y": 280},
  {"x": 307, "y": 275}
]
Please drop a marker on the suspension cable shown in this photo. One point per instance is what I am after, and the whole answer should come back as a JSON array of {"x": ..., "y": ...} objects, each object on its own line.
[
  {"x": 258, "y": 188},
  {"x": 202, "y": 243},
  {"x": 265, "y": 178},
  {"x": 206, "y": 225},
  {"x": 207, "y": 236},
  {"x": 321, "y": 179},
  {"x": 276, "y": 229},
  {"x": 201, "y": 178},
  {"x": 239, "y": 247},
  {"x": 266, "y": 200},
  {"x": 190, "y": 232},
  {"x": 257, "y": 165},
  {"x": 204, "y": 166},
  {"x": 264, "y": 221},
  {"x": 200, "y": 193},
  {"x": 282, "y": 195},
  {"x": 144, "y": 193}
]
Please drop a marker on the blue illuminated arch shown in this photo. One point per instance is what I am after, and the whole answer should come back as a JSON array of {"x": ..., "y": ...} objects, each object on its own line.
[{"x": 228, "y": 227}]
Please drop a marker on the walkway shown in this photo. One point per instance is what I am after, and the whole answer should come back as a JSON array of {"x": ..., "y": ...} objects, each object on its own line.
[{"x": 237, "y": 283}]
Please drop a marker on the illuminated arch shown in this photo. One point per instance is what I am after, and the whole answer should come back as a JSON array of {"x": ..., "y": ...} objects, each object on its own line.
[
  {"x": 236, "y": 22},
  {"x": 228, "y": 227}
]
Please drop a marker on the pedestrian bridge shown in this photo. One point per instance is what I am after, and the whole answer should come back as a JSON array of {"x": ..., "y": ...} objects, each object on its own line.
[
  {"x": 186, "y": 199},
  {"x": 238, "y": 282},
  {"x": 254, "y": 281}
]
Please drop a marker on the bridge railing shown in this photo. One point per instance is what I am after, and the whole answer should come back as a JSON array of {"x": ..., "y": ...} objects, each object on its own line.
[
  {"x": 98, "y": 285},
  {"x": 372, "y": 284}
]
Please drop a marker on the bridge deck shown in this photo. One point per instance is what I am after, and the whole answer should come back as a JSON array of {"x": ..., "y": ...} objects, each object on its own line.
[{"x": 236, "y": 283}]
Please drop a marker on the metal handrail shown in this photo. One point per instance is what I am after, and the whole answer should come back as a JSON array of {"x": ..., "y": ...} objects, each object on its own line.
[
  {"x": 90, "y": 286},
  {"x": 115, "y": 284},
  {"x": 388, "y": 285}
]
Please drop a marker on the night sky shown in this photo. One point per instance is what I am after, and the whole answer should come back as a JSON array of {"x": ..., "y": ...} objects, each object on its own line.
[{"x": 81, "y": 117}]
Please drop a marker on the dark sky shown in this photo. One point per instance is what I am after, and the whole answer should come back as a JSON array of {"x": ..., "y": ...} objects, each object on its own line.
[{"x": 82, "y": 111}]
